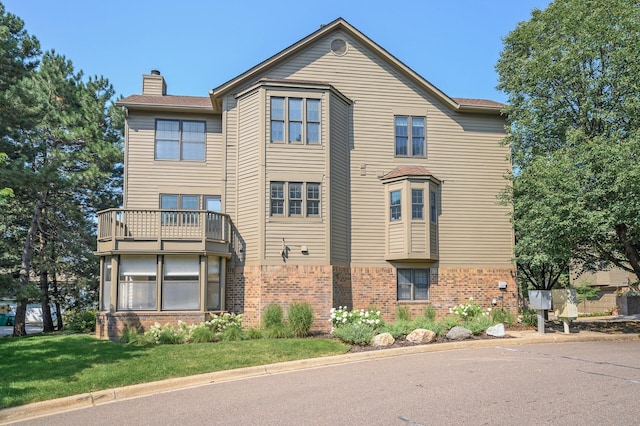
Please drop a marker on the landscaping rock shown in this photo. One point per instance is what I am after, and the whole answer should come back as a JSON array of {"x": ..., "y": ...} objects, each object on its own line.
[
  {"x": 459, "y": 333},
  {"x": 384, "y": 339},
  {"x": 497, "y": 331},
  {"x": 421, "y": 335}
]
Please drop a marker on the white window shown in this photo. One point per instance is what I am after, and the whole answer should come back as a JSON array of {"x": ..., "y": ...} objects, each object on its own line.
[
  {"x": 137, "y": 288},
  {"x": 409, "y": 136},
  {"x": 413, "y": 284},
  {"x": 277, "y": 198},
  {"x": 180, "y": 283},
  {"x": 417, "y": 204},
  {"x": 295, "y": 120},
  {"x": 302, "y": 199},
  {"x": 313, "y": 199},
  {"x": 395, "y": 200},
  {"x": 180, "y": 140}
]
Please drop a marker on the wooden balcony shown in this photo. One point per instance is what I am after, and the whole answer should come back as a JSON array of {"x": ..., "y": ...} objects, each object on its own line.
[{"x": 163, "y": 231}]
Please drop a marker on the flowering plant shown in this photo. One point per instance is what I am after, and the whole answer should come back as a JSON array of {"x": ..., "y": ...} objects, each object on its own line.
[
  {"x": 469, "y": 310},
  {"x": 342, "y": 316}
]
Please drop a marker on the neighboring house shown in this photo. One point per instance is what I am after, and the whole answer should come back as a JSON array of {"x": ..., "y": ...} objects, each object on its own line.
[
  {"x": 610, "y": 283},
  {"x": 330, "y": 173}
]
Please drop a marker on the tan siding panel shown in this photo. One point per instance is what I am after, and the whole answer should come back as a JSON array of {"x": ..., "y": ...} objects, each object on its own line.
[
  {"x": 463, "y": 150},
  {"x": 418, "y": 237},
  {"x": 248, "y": 214},
  {"x": 147, "y": 178},
  {"x": 339, "y": 173}
]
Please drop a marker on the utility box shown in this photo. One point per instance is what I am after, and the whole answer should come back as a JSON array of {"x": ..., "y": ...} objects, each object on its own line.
[
  {"x": 565, "y": 303},
  {"x": 540, "y": 300}
]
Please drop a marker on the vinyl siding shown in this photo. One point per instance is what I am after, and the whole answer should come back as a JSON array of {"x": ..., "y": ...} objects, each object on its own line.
[
  {"x": 248, "y": 215},
  {"x": 419, "y": 238},
  {"x": 463, "y": 150},
  {"x": 147, "y": 177},
  {"x": 396, "y": 238},
  {"x": 339, "y": 186},
  {"x": 296, "y": 163}
]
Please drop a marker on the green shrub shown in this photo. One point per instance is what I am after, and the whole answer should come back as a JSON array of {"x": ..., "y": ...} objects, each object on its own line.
[
  {"x": 167, "y": 335},
  {"x": 341, "y": 316},
  {"x": 277, "y": 332},
  {"x": 403, "y": 313},
  {"x": 469, "y": 310},
  {"x": 273, "y": 316},
  {"x": 479, "y": 325},
  {"x": 80, "y": 320},
  {"x": 232, "y": 333},
  {"x": 200, "y": 333},
  {"x": 502, "y": 316},
  {"x": 397, "y": 329},
  {"x": 218, "y": 323},
  {"x": 530, "y": 318},
  {"x": 423, "y": 322},
  {"x": 447, "y": 323},
  {"x": 133, "y": 335},
  {"x": 355, "y": 334},
  {"x": 254, "y": 333},
  {"x": 300, "y": 318},
  {"x": 430, "y": 313}
]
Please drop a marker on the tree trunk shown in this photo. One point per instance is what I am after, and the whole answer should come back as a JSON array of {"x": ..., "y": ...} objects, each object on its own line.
[
  {"x": 19, "y": 327},
  {"x": 47, "y": 322},
  {"x": 56, "y": 295},
  {"x": 629, "y": 249}
]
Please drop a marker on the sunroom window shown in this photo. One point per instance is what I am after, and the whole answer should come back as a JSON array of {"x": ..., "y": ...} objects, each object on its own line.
[
  {"x": 137, "y": 285},
  {"x": 180, "y": 285}
]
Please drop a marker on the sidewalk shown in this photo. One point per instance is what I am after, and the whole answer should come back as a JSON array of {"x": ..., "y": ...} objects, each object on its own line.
[
  {"x": 86, "y": 400},
  {"x": 7, "y": 330}
]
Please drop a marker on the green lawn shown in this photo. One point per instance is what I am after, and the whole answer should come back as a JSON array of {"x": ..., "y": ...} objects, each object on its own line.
[{"x": 41, "y": 367}]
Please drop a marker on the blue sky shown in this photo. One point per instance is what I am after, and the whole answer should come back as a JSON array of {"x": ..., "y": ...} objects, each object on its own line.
[{"x": 198, "y": 45}]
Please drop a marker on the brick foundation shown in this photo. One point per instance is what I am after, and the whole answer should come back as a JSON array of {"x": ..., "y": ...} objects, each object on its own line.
[
  {"x": 250, "y": 289},
  {"x": 112, "y": 325}
]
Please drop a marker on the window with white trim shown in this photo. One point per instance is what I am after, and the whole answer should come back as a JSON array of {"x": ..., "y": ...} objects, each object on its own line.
[
  {"x": 295, "y": 120},
  {"x": 297, "y": 199},
  {"x": 180, "y": 140},
  {"x": 395, "y": 203},
  {"x": 409, "y": 136},
  {"x": 413, "y": 284},
  {"x": 417, "y": 204}
]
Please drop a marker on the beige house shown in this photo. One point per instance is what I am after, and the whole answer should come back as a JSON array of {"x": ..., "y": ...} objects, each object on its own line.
[{"x": 330, "y": 173}]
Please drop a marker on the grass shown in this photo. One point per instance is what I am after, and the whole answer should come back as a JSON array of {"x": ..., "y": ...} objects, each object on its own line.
[{"x": 42, "y": 367}]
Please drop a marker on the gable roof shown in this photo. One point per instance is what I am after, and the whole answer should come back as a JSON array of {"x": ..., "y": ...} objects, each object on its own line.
[{"x": 247, "y": 77}]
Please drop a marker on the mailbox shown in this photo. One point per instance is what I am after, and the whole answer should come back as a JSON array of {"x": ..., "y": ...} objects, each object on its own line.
[
  {"x": 540, "y": 300},
  {"x": 565, "y": 302}
]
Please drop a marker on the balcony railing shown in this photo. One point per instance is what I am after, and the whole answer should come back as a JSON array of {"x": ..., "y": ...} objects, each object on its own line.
[{"x": 163, "y": 225}]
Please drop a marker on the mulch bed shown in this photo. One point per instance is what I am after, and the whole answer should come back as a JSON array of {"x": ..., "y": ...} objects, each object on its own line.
[{"x": 609, "y": 327}]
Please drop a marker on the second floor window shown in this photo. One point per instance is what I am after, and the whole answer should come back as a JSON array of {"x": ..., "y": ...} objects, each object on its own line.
[
  {"x": 417, "y": 204},
  {"x": 410, "y": 136},
  {"x": 295, "y": 120},
  {"x": 296, "y": 199},
  {"x": 180, "y": 140},
  {"x": 396, "y": 205}
]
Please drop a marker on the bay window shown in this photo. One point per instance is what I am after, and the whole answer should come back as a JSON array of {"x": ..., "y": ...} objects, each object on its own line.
[{"x": 180, "y": 285}]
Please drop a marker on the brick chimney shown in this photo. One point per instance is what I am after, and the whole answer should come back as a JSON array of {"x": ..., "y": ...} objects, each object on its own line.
[{"x": 154, "y": 84}]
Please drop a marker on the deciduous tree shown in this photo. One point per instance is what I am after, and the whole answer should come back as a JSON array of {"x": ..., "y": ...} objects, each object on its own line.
[{"x": 571, "y": 74}]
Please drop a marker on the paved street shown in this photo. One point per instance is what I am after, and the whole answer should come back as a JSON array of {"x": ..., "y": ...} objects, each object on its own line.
[{"x": 563, "y": 383}]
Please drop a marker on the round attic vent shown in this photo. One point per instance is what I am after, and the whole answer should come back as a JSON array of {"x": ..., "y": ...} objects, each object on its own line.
[{"x": 339, "y": 46}]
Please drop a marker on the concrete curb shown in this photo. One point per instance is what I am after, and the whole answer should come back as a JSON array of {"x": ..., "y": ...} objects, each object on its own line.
[{"x": 75, "y": 402}]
